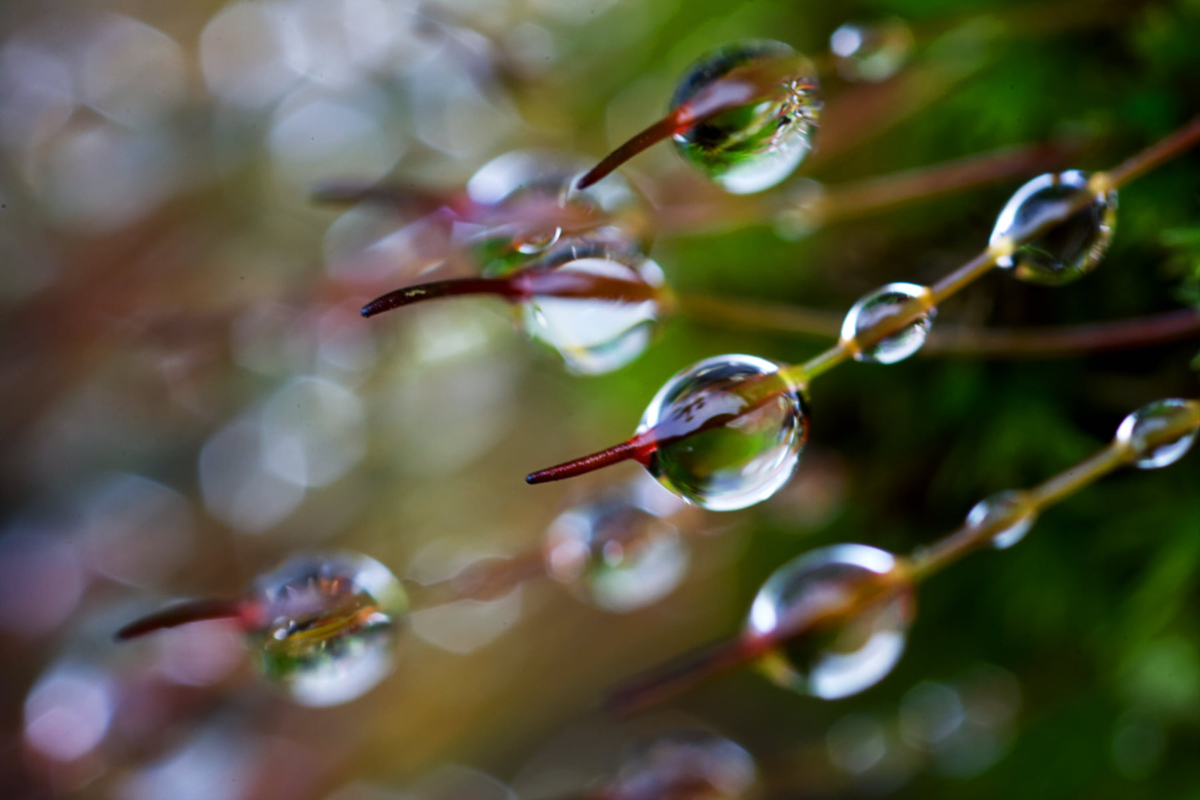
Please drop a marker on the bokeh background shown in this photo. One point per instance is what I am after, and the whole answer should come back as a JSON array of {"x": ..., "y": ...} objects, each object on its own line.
[{"x": 189, "y": 396}]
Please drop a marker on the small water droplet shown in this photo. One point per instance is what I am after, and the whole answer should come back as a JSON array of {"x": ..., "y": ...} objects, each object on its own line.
[
  {"x": 728, "y": 436},
  {"x": 595, "y": 335},
  {"x": 330, "y": 626},
  {"x": 876, "y": 305},
  {"x": 685, "y": 764},
  {"x": 1146, "y": 431},
  {"x": 616, "y": 552},
  {"x": 1010, "y": 514},
  {"x": 754, "y": 146},
  {"x": 1070, "y": 249},
  {"x": 871, "y": 51},
  {"x": 844, "y": 657}
]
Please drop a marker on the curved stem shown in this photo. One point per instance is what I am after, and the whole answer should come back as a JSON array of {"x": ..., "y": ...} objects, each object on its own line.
[
  {"x": 407, "y": 296},
  {"x": 181, "y": 614}
]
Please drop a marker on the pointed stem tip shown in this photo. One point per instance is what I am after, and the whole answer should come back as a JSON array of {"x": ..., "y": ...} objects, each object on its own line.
[
  {"x": 180, "y": 614},
  {"x": 437, "y": 289},
  {"x": 613, "y": 455}
]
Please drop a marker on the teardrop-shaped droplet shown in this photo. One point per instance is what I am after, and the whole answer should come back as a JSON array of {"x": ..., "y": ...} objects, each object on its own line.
[
  {"x": 618, "y": 551},
  {"x": 875, "y": 306},
  {"x": 1069, "y": 250},
  {"x": 729, "y": 434},
  {"x": 871, "y": 51},
  {"x": 542, "y": 179},
  {"x": 598, "y": 334},
  {"x": 326, "y": 626},
  {"x": 1161, "y": 432},
  {"x": 756, "y": 145},
  {"x": 843, "y": 657},
  {"x": 685, "y": 765},
  {"x": 1009, "y": 515}
]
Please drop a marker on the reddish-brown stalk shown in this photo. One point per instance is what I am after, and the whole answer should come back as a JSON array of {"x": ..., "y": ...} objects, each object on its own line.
[
  {"x": 519, "y": 287},
  {"x": 183, "y": 614}
]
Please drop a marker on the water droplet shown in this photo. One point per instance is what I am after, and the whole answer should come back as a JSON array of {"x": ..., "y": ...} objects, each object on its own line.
[
  {"x": 727, "y": 438},
  {"x": 546, "y": 179},
  {"x": 616, "y": 552},
  {"x": 843, "y": 658},
  {"x": 326, "y": 626},
  {"x": 1161, "y": 432},
  {"x": 871, "y": 51},
  {"x": 876, "y": 305},
  {"x": 1070, "y": 249},
  {"x": 595, "y": 335},
  {"x": 1009, "y": 514},
  {"x": 685, "y": 764},
  {"x": 753, "y": 146}
]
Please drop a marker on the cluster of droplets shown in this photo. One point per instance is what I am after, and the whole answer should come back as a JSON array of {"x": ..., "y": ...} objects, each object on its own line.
[
  {"x": 833, "y": 622},
  {"x": 588, "y": 291}
]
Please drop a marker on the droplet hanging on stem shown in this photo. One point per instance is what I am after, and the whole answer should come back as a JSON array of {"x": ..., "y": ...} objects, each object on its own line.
[
  {"x": 724, "y": 434},
  {"x": 744, "y": 114}
]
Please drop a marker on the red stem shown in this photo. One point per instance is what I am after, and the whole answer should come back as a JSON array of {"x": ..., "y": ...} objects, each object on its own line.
[
  {"x": 633, "y": 449},
  {"x": 502, "y": 287},
  {"x": 181, "y": 614},
  {"x": 666, "y": 127}
]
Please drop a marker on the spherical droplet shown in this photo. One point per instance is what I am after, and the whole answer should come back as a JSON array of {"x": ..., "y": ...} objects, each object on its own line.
[
  {"x": 1010, "y": 515},
  {"x": 876, "y": 305},
  {"x": 756, "y": 145},
  {"x": 840, "y": 658},
  {"x": 871, "y": 51},
  {"x": 1161, "y": 432},
  {"x": 327, "y": 625},
  {"x": 595, "y": 335},
  {"x": 729, "y": 433},
  {"x": 690, "y": 764},
  {"x": 616, "y": 551},
  {"x": 1069, "y": 250},
  {"x": 547, "y": 177}
]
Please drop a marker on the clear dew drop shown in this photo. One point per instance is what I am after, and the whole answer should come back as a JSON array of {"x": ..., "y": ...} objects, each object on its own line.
[
  {"x": 533, "y": 176},
  {"x": 871, "y": 51},
  {"x": 754, "y": 146},
  {"x": 1070, "y": 249},
  {"x": 844, "y": 658},
  {"x": 1011, "y": 513},
  {"x": 597, "y": 335},
  {"x": 327, "y": 626},
  {"x": 685, "y": 764},
  {"x": 617, "y": 551},
  {"x": 729, "y": 434},
  {"x": 876, "y": 305},
  {"x": 1161, "y": 432}
]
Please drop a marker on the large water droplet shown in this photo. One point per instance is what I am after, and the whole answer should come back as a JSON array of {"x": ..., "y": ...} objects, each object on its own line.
[
  {"x": 871, "y": 51},
  {"x": 617, "y": 551},
  {"x": 753, "y": 146},
  {"x": 1161, "y": 432},
  {"x": 595, "y": 335},
  {"x": 689, "y": 764},
  {"x": 1009, "y": 514},
  {"x": 876, "y": 305},
  {"x": 1069, "y": 250},
  {"x": 728, "y": 434},
  {"x": 327, "y": 625},
  {"x": 836, "y": 659}
]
